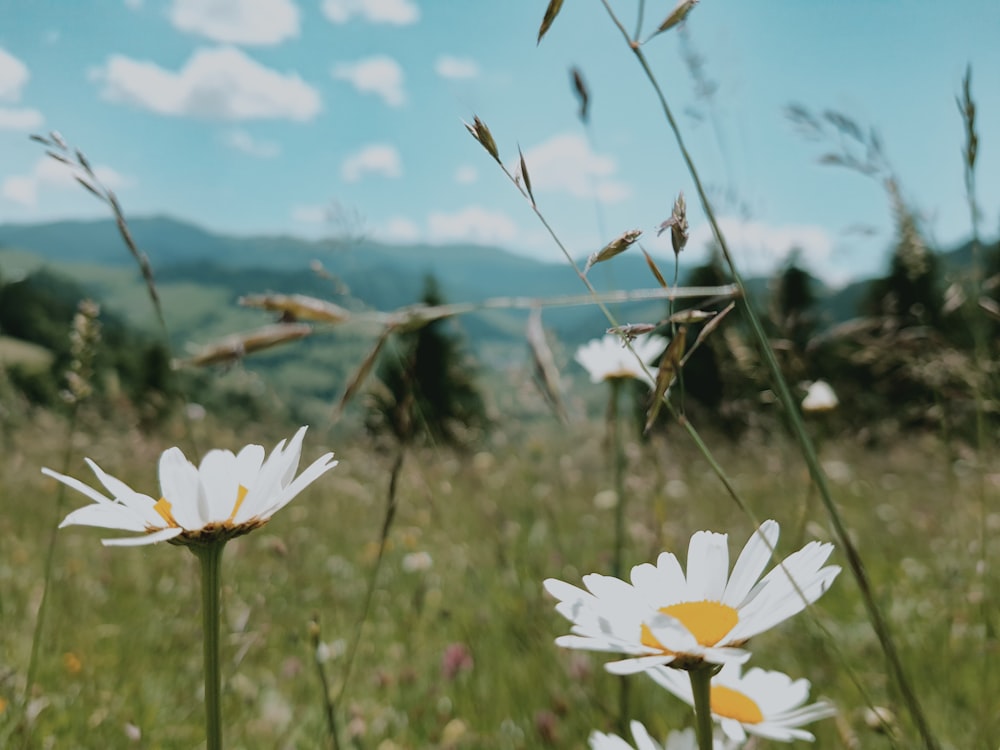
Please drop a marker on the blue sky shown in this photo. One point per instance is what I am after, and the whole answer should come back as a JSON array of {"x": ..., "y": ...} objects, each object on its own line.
[{"x": 315, "y": 117}]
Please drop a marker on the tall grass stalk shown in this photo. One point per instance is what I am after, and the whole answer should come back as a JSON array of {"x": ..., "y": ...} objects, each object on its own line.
[
  {"x": 855, "y": 562},
  {"x": 617, "y": 447},
  {"x": 391, "y": 505},
  {"x": 967, "y": 110},
  {"x": 50, "y": 556},
  {"x": 77, "y": 162},
  {"x": 84, "y": 339},
  {"x": 329, "y": 710}
]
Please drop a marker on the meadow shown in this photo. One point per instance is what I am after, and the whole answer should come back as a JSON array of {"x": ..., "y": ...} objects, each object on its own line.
[
  {"x": 399, "y": 601},
  {"x": 457, "y": 650}
]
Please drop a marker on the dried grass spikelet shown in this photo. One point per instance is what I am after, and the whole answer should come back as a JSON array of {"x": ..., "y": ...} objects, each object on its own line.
[
  {"x": 236, "y": 346},
  {"x": 670, "y": 366},
  {"x": 551, "y": 11},
  {"x": 617, "y": 246},
  {"x": 967, "y": 109},
  {"x": 687, "y": 317},
  {"x": 677, "y": 15},
  {"x": 522, "y": 173},
  {"x": 654, "y": 269},
  {"x": 582, "y": 93},
  {"x": 362, "y": 373},
  {"x": 482, "y": 134},
  {"x": 677, "y": 224},
  {"x": 630, "y": 331},
  {"x": 547, "y": 374},
  {"x": 84, "y": 337},
  {"x": 414, "y": 317},
  {"x": 295, "y": 307}
]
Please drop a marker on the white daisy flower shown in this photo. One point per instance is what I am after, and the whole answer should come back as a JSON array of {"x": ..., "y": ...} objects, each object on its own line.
[
  {"x": 767, "y": 704},
  {"x": 666, "y": 617},
  {"x": 226, "y": 496},
  {"x": 682, "y": 740},
  {"x": 607, "y": 358},
  {"x": 820, "y": 396}
]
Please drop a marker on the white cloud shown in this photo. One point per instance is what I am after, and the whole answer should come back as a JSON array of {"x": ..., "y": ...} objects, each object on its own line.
[
  {"x": 47, "y": 172},
  {"x": 241, "y": 140},
  {"x": 760, "y": 247},
  {"x": 19, "y": 118},
  {"x": 466, "y": 174},
  {"x": 380, "y": 75},
  {"x": 310, "y": 214},
  {"x": 456, "y": 67},
  {"x": 565, "y": 163},
  {"x": 376, "y": 158},
  {"x": 472, "y": 224},
  {"x": 220, "y": 83},
  {"x": 133, "y": 4},
  {"x": 398, "y": 12},
  {"x": 13, "y": 75},
  {"x": 398, "y": 229},
  {"x": 237, "y": 21}
]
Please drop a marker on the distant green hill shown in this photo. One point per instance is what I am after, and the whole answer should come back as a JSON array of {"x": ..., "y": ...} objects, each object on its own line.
[{"x": 201, "y": 274}]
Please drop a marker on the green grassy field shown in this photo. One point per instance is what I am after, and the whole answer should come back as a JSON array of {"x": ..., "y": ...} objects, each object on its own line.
[{"x": 122, "y": 640}]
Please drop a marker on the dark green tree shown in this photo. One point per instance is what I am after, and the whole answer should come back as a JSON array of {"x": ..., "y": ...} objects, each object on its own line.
[
  {"x": 426, "y": 383},
  {"x": 792, "y": 303}
]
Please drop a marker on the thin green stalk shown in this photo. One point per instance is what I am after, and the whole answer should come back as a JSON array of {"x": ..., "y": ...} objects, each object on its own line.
[
  {"x": 618, "y": 450},
  {"x": 981, "y": 382},
  {"x": 390, "y": 514},
  {"x": 210, "y": 557},
  {"x": 701, "y": 690},
  {"x": 784, "y": 394},
  {"x": 329, "y": 710},
  {"x": 50, "y": 556}
]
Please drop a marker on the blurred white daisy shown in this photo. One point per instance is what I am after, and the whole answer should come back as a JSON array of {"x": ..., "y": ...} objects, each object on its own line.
[
  {"x": 226, "y": 496},
  {"x": 767, "y": 704},
  {"x": 666, "y": 617},
  {"x": 607, "y": 358},
  {"x": 682, "y": 740},
  {"x": 820, "y": 396}
]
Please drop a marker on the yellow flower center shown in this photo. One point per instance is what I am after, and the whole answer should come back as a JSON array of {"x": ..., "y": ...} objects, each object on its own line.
[
  {"x": 707, "y": 621},
  {"x": 163, "y": 507},
  {"x": 732, "y": 704}
]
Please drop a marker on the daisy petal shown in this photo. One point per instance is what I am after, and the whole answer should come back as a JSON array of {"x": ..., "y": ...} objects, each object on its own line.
[{"x": 137, "y": 541}]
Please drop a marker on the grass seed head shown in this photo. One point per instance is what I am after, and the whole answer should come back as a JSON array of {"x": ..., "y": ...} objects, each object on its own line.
[
  {"x": 84, "y": 338},
  {"x": 482, "y": 134},
  {"x": 295, "y": 307},
  {"x": 677, "y": 224},
  {"x": 236, "y": 346},
  {"x": 631, "y": 330},
  {"x": 677, "y": 15},
  {"x": 617, "y": 246}
]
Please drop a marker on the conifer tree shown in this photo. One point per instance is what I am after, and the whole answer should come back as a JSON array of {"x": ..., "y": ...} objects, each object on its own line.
[{"x": 427, "y": 385}]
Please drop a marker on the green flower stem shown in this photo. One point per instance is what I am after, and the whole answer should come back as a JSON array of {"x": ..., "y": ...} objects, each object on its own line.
[
  {"x": 618, "y": 449},
  {"x": 210, "y": 557},
  {"x": 701, "y": 689}
]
